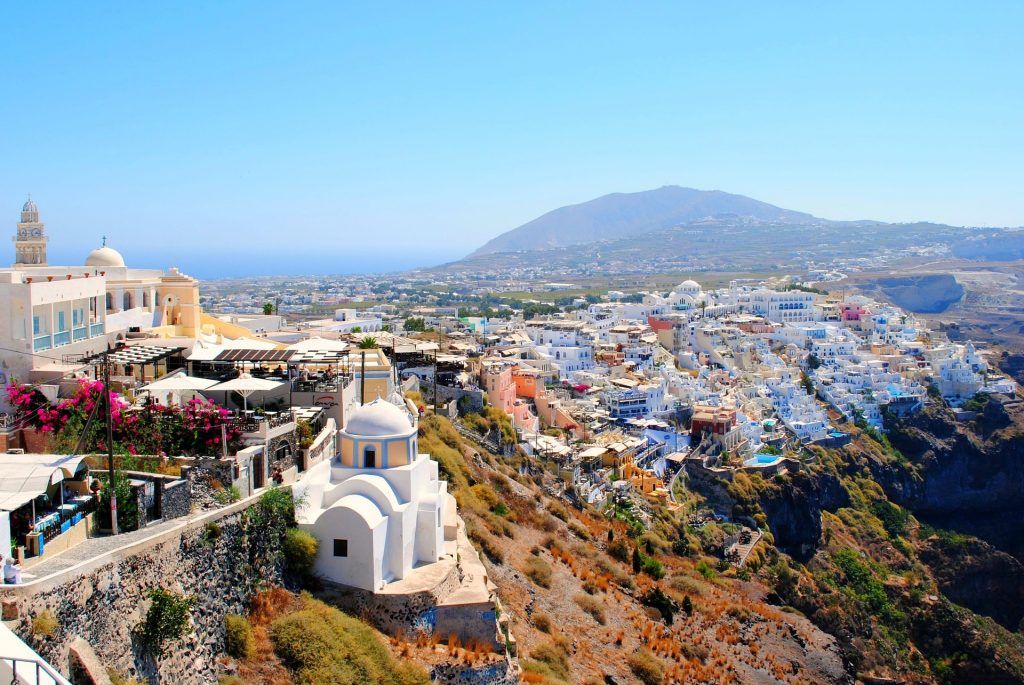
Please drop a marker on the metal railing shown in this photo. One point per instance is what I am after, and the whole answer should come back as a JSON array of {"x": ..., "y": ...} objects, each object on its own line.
[
  {"x": 23, "y": 670},
  {"x": 96, "y": 329},
  {"x": 62, "y": 338},
  {"x": 41, "y": 343},
  {"x": 253, "y": 423},
  {"x": 80, "y": 333}
]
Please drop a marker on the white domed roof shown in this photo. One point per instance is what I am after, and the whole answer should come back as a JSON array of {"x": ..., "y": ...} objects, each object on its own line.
[
  {"x": 104, "y": 256},
  {"x": 378, "y": 419},
  {"x": 689, "y": 285}
]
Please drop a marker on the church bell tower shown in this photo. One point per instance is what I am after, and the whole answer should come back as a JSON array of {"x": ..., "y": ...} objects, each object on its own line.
[{"x": 30, "y": 242}]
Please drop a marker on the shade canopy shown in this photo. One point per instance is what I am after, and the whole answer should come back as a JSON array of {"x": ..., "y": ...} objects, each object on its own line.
[
  {"x": 246, "y": 385},
  {"x": 23, "y": 477},
  {"x": 317, "y": 344},
  {"x": 179, "y": 383}
]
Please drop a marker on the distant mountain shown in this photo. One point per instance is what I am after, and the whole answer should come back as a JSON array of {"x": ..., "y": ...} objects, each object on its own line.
[{"x": 623, "y": 215}]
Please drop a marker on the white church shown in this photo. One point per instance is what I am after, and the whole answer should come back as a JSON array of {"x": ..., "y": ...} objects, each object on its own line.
[{"x": 378, "y": 508}]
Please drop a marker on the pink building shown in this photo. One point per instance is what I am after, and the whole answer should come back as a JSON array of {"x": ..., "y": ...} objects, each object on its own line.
[{"x": 497, "y": 381}]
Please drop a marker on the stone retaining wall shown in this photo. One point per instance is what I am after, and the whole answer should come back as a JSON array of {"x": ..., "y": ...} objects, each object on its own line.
[
  {"x": 105, "y": 604},
  {"x": 393, "y": 614},
  {"x": 504, "y": 672}
]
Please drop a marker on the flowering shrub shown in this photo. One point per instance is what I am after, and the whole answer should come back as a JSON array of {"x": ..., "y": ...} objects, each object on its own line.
[{"x": 191, "y": 429}]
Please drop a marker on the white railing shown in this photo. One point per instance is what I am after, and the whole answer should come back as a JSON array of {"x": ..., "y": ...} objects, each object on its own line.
[{"x": 29, "y": 672}]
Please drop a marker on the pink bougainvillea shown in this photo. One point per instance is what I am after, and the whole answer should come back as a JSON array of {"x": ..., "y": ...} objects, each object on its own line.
[{"x": 197, "y": 427}]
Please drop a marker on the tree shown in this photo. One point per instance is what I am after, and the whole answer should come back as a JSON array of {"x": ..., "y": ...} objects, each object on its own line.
[
  {"x": 368, "y": 343},
  {"x": 638, "y": 560},
  {"x": 806, "y": 383},
  {"x": 415, "y": 324},
  {"x": 813, "y": 361},
  {"x": 687, "y": 605},
  {"x": 268, "y": 308}
]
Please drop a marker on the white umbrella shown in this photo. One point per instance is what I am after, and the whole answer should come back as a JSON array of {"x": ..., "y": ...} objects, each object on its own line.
[
  {"x": 179, "y": 383},
  {"x": 315, "y": 344},
  {"x": 245, "y": 385}
]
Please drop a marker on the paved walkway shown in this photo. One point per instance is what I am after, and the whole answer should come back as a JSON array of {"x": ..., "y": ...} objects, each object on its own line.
[{"x": 94, "y": 547}]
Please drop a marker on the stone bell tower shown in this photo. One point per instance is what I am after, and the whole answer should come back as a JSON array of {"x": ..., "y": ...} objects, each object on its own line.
[{"x": 30, "y": 241}]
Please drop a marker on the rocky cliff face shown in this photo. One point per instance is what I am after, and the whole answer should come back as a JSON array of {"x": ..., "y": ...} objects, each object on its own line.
[
  {"x": 974, "y": 574},
  {"x": 967, "y": 477},
  {"x": 794, "y": 511}
]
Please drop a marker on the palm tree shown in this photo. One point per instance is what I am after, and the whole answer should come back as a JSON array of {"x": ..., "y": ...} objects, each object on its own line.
[{"x": 368, "y": 343}]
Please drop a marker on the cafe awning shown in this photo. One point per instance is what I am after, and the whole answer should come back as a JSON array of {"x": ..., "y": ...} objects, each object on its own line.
[{"x": 23, "y": 477}]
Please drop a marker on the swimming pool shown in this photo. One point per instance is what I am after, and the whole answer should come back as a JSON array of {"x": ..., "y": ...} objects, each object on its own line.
[{"x": 763, "y": 460}]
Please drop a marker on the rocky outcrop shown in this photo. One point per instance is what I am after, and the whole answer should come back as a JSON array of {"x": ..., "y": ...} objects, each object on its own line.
[
  {"x": 974, "y": 574},
  {"x": 967, "y": 477},
  {"x": 794, "y": 511}
]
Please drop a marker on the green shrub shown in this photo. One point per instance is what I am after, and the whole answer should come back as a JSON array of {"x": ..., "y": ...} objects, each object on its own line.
[
  {"x": 211, "y": 533},
  {"x": 45, "y": 624},
  {"x": 300, "y": 550},
  {"x": 592, "y": 607},
  {"x": 619, "y": 549},
  {"x": 705, "y": 570},
  {"x": 228, "y": 495},
  {"x": 647, "y": 667},
  {"x": 118, "y": 679},
  {"x": 241, "y": 642},
  {"x": 166, "y": 619},
  {"x": 539, "y": 571},
  {"x": 550, "y": 659},
  {"x": 323, "y": 645},
  {"x": 653, "y": 568},
  {"x": 657, "y": 599}
]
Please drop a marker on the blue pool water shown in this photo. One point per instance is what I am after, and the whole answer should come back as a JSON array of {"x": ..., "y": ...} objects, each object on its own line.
[{"x": 762, "y": 459}]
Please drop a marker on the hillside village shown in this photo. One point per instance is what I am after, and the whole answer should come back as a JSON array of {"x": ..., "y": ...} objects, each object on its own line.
[{"x": 622, "y": 406}]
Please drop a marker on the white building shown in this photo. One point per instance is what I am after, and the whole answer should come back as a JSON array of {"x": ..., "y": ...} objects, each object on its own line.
[
  {"x": 790, "y": 306},
  {"x": 377, "y": 508}
]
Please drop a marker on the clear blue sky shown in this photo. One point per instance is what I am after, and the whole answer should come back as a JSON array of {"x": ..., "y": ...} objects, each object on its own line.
[{"x": 428, "y": 128}]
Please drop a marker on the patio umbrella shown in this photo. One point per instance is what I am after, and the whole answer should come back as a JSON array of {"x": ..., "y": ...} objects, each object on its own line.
[
  {"x": 245, "y": 385},
  {"x": 179, "y": 383}
]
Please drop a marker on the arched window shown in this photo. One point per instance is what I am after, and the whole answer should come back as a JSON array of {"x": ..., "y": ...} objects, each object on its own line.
[
  {"x": 110, "y": 302},
  {"x": 127, "y": 301},
  {"x": 145, "y": 298},
  {"x": 370, "y": 458}
]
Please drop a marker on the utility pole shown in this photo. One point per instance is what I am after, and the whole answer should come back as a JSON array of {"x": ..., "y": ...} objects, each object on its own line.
[
  {"x": 110, "y": 441},
  {"x": 362, "y": 378}
]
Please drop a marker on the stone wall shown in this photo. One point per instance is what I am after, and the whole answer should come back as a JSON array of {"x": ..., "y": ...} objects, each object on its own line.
[
  {"x": 467, "y": 400},
  {"x": 503, "y": 672},
  {"x": 177, "y": 499},
  {"x": 105, "y": 604},
  {"x": 394, "y": 613},
  {"x": 206, "y": 476}
]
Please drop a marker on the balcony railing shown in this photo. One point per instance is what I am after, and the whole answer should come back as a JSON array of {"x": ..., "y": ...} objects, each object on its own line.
[
  {"x": 34, "y": 671},
  {"x": 41, "y": 343},
  {"x": 253, "y": 423},
  {"x": 81, "y": 333},
  {"x": 62, "y": 338},
  {"x": 95, "y": 329}
]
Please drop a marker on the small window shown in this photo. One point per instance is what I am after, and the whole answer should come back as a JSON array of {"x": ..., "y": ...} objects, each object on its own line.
[
  {"x": 370, "y": 458},
  {"x": 340, "y": 548}
]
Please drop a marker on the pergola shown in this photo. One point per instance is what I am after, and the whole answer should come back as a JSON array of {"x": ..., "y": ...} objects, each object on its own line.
[{"x": 135, "y": 355}]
